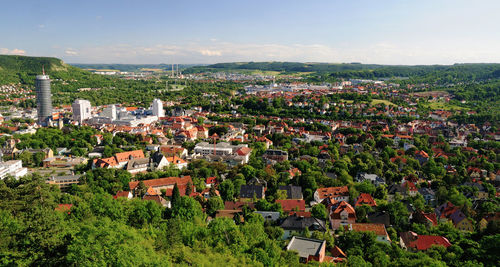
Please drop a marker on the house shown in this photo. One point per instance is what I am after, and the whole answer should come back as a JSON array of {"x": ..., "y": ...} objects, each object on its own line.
[
  {"x": 429, "y": 219},
  {"x": 394, "y": 189},
  {"x": 365, "y": 199},
  {"x": 410, "y": 188},
  {"x": 173, "y": 150},
  {"x": 158, "y": 161},
  {"x": 289, "y": 205},
  {"x": 177, "y": 162},
  {"x": 379, "y": 217},
  {"x": 238, "y": 205},
  {"x": 231, "y": 214},
  {"x": 338, "y": 255},
  {"x": 448, "y": 212},
  {"x": 414, "y": 242},
  {"x": 64, "y": 181},
  {"x": 421, "y": 156},
  {"x": 428, "y": 194},
  {"x": 339, "y": 193},
  {"x": 378, "y": 229},
  {"x": 308, "y": 249},
  {"x": 139, "y": 165},
  {"x": 341, "y": 213},
  {"x": 158, "y": 199},
  {"x": 119, "y": 160},
  {"x": 373, "y": 178},
  {"x": 292, "y": 224},
  {"x": 164, "y": 183},
  {"x": 125, "y": 194},
  {"x": 491, "y": 217},
  {"x": 273, "y": 155},
  {"x": 251, "y": 191},
  {"x": 272, "y": 216},
  {"x": 210, "y": 181},
  {"x": 292, "y": 191}
]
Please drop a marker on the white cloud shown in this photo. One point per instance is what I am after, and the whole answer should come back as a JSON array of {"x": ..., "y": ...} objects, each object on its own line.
[
  {"x": 41, "y": 26},
  {"x": 70, "y": 52},
  {"x": 14, "y": 51},
  {"x": 210, "y": 53},
  {"x": 218, "y": 51}
]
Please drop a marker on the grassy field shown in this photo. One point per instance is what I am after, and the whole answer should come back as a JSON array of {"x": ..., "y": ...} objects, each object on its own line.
[
  {"x": 443, "y": 106},
  {"x": 381, "y": 101}
]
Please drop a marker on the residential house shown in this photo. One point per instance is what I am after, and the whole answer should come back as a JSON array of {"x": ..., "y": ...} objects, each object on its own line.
[
  {"x": 379, "y": 217},
  {"x": 378, "y": 229},
  {"x": 341, "y": 213},
  {"x": 414, "y": 242},
  {"x": 292, "y": 191},
  {"x": 373, "y": 178},
  {"x": 248, "y": 192},
  {"x": 490, "y": 217},
  {"x": 365, "y": 199},
  {"x": 298, "y": 224},
  {"x": 410, "y": 188},
  {"x": 139, "y": 165},
  {"x": 429, "y": 195},
  {"x": 64, "y": 181},
  {"x": 449, "y": 212},
  {"x": 125, "y": 194},
  {"x": 158, "y": 161},
  {"x": 289, "y": 205},
  {"x": 272, "y": 216},
  {"x": 165, "y": 183},
  {"x": 307, "y": 249},
  {"x": 421, "y": 156},
  {"x": 339, "y": 193},
  {"x": 273, "y": 155},
  {"x": 177, "y": 162},
  {"x": 429, "y": 219}
]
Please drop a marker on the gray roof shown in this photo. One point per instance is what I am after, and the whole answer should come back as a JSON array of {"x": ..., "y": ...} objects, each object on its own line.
[
  {"x": 248, "y": 191},
  {"x": 306, "y": 246},
  {"x": 299, "y": 223},
  {"x": 292, "y": 192},
  {"x": 269, "y": 215}
]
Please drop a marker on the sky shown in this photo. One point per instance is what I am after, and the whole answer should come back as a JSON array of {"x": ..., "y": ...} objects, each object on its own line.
[{"x": 211, "y": 31}]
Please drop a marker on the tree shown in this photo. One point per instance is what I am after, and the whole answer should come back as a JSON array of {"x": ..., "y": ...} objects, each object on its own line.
[
  {"x": 319, "y": 211},
  {"x": 176, "y": 195},
  {"x": 214, "y": 204},
  {"x": 226, "y": 189},
  {"x": 187, "y": 208},
  {"x": 107, "y": 243}
]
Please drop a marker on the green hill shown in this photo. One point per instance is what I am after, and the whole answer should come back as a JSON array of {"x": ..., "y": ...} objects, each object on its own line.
[{"x": 23, "y": 70}]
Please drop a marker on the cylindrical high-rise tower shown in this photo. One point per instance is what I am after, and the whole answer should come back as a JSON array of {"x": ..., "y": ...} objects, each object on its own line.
[{"x": 43, "y": 99}]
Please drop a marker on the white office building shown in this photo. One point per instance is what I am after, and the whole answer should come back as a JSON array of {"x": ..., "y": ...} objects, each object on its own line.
[
  {"x": 109, "y": 112},
  {"x": 81, "y": 110},
  {"x": 157, "y": 108},
  {"x": 12, "y": 167}
]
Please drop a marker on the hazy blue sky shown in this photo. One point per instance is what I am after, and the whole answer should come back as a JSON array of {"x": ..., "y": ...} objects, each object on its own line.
[{"x": 209, "y": 31}]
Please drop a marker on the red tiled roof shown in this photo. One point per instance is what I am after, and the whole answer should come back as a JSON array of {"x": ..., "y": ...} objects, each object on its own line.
[
  {"x": 243, "y": 151},
  {"x": 163, "y": 182},
  {"x": 340, "y": 207},
  {"x": 377, "y": 228},
  {"x": 333, "y": 191},
  {"x": 365, "y": 199},
  {"x": 121, "y": 194},
  {"x": 292, "y": 204},
  {"x": 63, "y": 207},
  {"x": 126, "y": 156},
  {"x": 237, "y": 205}
]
